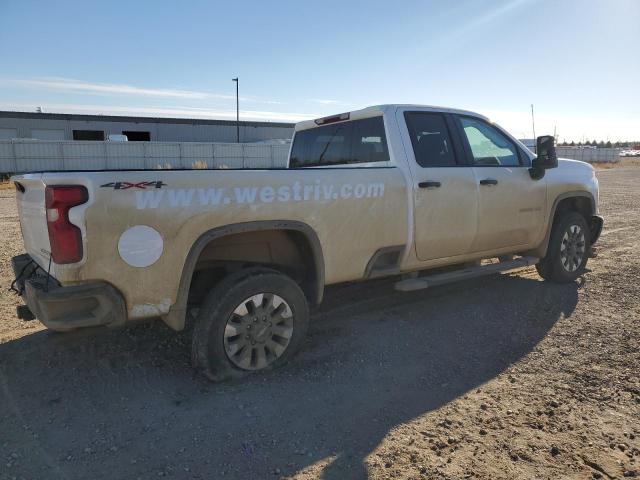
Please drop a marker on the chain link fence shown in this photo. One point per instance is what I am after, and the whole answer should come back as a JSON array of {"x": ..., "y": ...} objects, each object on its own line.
[
  {"x": 19, "y": 156},
  {"x": 590, "y": 155}
]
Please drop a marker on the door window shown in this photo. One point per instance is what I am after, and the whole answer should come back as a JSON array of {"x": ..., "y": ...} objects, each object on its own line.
[
  {"x": 489, "y": 146},
  {"x": 430, "y": 138}
]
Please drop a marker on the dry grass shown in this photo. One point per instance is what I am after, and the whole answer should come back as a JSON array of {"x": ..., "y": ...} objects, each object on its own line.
[
  {"x": 7, "y": 186},
  {"x": 623, "y": 163}
]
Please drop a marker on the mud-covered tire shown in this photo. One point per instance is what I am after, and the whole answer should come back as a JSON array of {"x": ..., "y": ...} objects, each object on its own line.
[
  {"x": 570, "y": 233},
  {"x": 213, "y": 344}
]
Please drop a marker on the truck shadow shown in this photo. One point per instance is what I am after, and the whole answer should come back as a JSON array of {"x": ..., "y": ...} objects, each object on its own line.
[{"x": 127, "y": 404}]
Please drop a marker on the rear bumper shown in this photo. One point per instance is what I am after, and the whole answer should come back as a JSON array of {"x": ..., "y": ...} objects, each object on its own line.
[{"x": 66, "y": 308}]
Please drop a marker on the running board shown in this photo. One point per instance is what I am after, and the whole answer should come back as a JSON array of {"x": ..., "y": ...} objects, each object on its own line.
[{"x": 463, "y": 274}]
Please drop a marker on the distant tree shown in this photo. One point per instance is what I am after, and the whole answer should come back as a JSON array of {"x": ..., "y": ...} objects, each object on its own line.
[
  {"x": 617, "y": 144},
  {"x": 608, "y": 144},
  {"x": 573, "y": 144},
  {"x": 580, "y": 143},
  {"x": 601, "y": 144}
]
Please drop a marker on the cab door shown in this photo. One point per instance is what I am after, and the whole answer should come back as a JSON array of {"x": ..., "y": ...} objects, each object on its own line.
[
  {"x": 445, "y": 191},
  {"x": 511, "y": 204}
]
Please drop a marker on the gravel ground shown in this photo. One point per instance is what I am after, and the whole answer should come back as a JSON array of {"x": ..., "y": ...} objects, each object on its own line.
[{"x": 503, "y": 377}]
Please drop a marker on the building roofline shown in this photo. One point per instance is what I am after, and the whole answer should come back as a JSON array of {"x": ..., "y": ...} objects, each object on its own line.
[{"x": 118, "y": 118}]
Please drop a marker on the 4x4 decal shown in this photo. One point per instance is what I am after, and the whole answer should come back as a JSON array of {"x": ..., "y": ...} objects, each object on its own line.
[{"x": 128, "y": 185}]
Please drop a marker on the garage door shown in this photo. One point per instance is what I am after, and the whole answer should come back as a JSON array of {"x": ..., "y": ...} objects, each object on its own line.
[
  {"x": 47, "y": 134},
  {"x": 8, "y": 133}
]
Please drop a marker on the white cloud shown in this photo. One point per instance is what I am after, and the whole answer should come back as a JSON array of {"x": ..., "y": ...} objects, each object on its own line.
[
  {"x": 326, "y": 102},
  {"x": 496, "y": 13},
  {"x": 96, "y": 88},
  {"x": 153, "y": 111},
  {"x": 462, "y": 28}
]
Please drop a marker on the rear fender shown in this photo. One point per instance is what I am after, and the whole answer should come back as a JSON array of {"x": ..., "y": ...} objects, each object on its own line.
[{"x": 177, "y": 313}]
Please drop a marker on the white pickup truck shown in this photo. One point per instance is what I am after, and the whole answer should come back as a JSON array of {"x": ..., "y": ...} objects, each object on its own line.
[{"x": 388, "y": 190}]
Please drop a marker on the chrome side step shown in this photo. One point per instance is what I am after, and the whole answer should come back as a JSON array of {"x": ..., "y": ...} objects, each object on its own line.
[{"x": 427, "y": 281}]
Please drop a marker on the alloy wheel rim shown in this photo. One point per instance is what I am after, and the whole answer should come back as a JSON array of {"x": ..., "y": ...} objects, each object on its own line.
[
  {"x": 258, "y": 331},
  {"x": 572, "y": 248}
]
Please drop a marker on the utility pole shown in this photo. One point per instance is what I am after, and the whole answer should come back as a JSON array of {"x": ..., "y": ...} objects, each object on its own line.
[
  {"x": 533, "y": 122},
  {"x": 237, "y": 111}
]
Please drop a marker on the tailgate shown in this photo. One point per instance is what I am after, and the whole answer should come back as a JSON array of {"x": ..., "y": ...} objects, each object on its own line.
[{"x": 33, "y": 220}]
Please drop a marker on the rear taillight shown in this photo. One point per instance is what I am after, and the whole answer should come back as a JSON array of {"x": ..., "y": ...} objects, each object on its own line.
[{"x": 65, "y": 238}]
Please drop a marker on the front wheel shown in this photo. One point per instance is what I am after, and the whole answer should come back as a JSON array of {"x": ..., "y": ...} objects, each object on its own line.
[
  {"x": 568, "y": 249},
  {"x": 252, "y": 320}
]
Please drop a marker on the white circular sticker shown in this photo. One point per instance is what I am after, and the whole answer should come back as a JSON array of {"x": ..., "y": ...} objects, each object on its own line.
[{"x": 140, "y": 246}]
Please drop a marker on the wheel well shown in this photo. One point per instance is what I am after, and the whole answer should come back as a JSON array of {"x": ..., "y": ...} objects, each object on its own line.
[
  {"x": 582, "y": 205},
  {"x": 287, "y": 251},
  {"x": 580, "y": 202}
]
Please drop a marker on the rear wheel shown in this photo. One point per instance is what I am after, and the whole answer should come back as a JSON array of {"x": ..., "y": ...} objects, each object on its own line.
[
  {"x": 568, "y": 249},
  {"x": 253, "y": 320}
]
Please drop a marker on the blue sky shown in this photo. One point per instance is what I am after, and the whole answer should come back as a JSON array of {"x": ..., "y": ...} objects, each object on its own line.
[{"x": 578, "y": 61}]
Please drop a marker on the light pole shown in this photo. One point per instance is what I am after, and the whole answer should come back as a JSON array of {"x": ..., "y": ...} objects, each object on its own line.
[
  {"x": 237, "y": 111},
  {"x": 533, "y": 123}
]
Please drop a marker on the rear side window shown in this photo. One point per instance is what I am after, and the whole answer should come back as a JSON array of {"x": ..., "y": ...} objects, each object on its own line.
[
  {"x": 430, "y": 139},
  {"x": 357, "y": 141}
]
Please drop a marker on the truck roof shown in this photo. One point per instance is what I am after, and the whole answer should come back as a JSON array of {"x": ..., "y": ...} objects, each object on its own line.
[{"x": 381, "y": 109}]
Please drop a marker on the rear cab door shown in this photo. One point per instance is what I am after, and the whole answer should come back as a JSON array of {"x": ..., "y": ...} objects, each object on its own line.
[
  {"x": 511, "y": 204},
  {"x": 445, "y": 192},
  {"x": 365, "y": 217}
]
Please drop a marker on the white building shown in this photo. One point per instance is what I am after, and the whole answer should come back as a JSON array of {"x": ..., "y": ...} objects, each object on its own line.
[{"x": 61, "y": 126}]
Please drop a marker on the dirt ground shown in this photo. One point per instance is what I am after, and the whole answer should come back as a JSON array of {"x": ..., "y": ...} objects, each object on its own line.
[{"x": 502, "y": 377}]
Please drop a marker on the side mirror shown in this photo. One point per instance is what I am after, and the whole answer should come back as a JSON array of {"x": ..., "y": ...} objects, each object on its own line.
[
  {"x": 546, "y": 151},
  {"x": 547, "y": 157}
]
